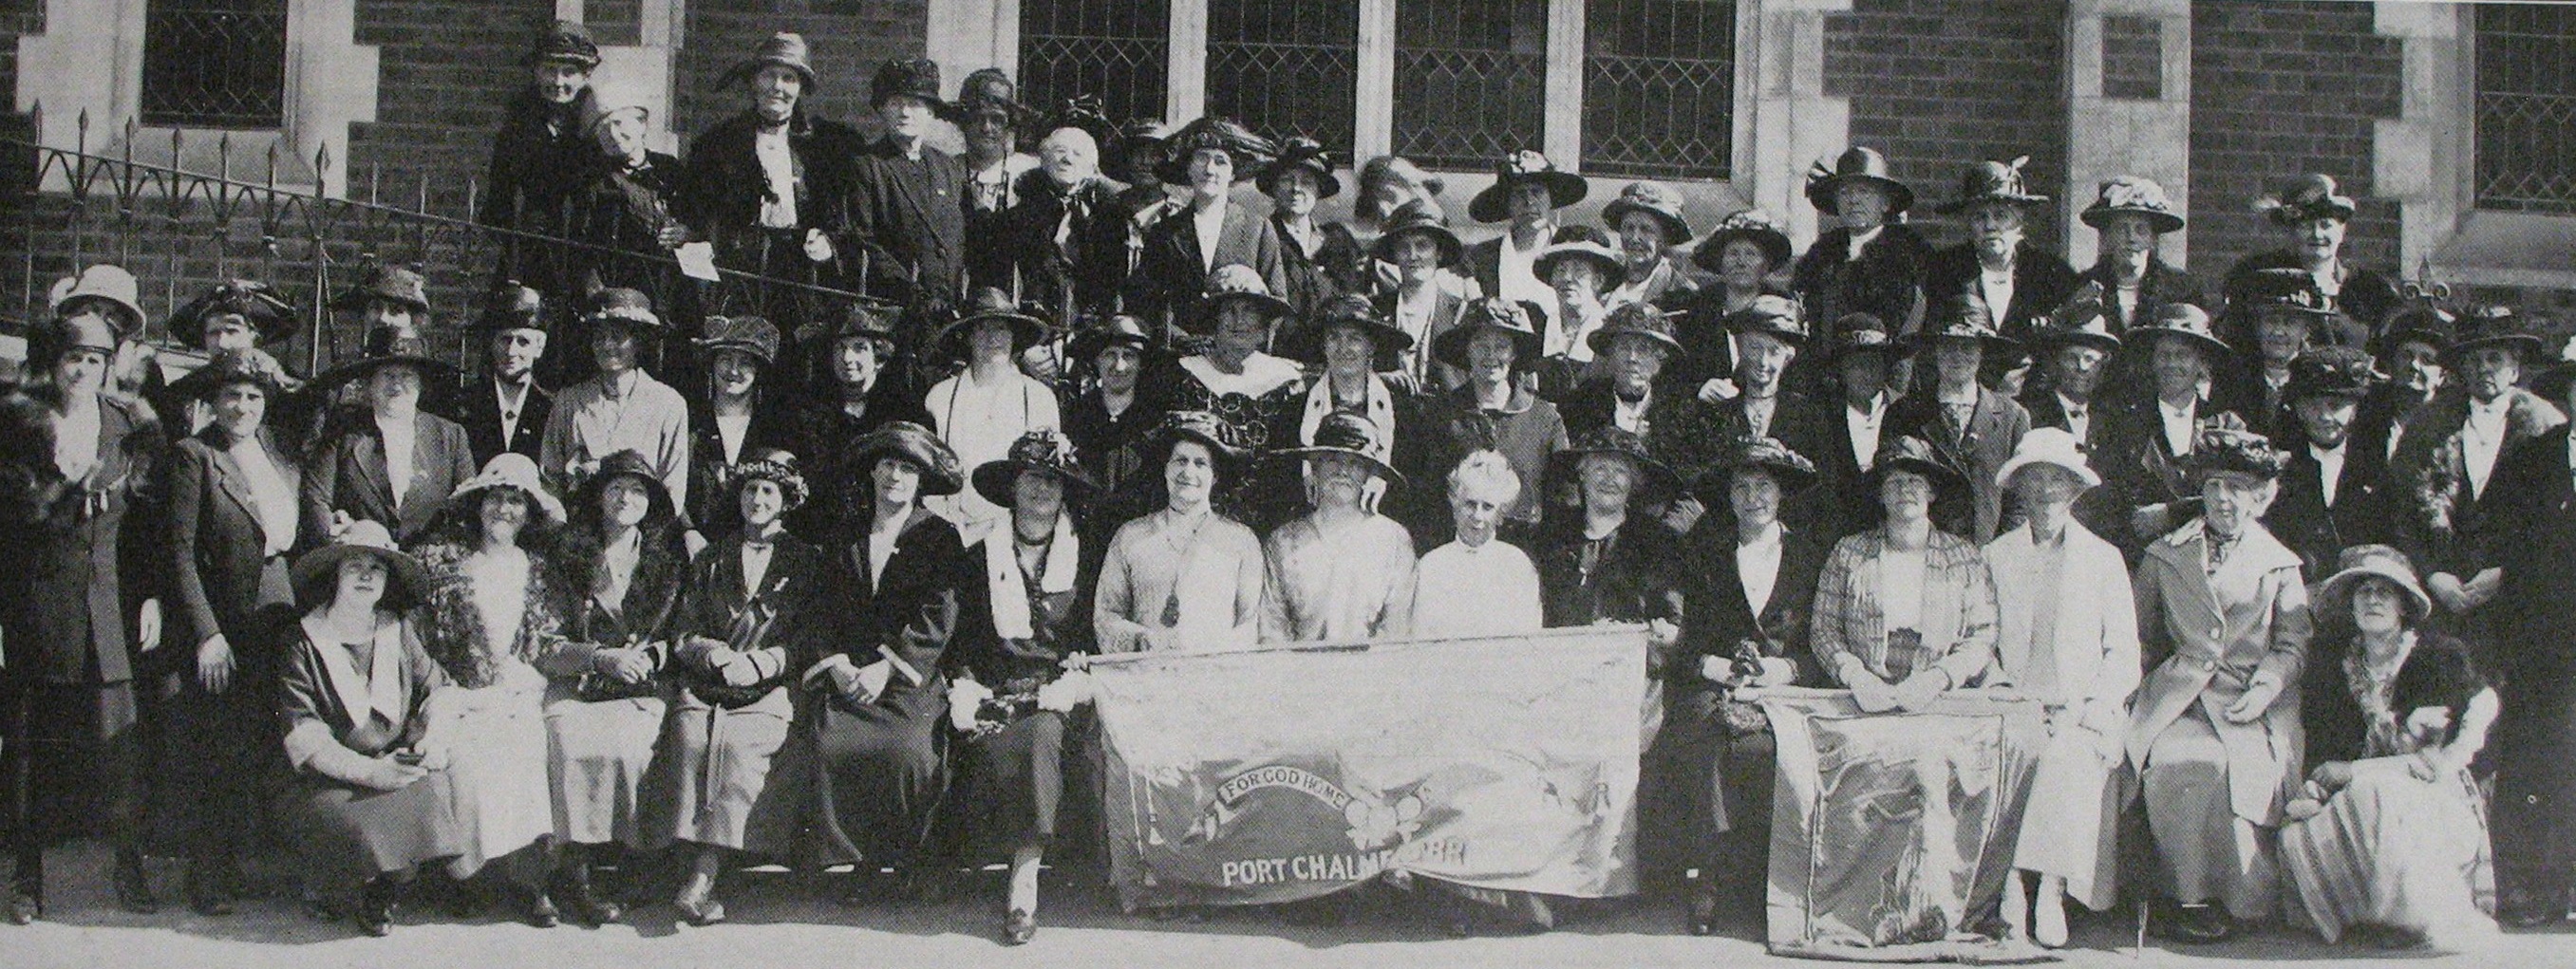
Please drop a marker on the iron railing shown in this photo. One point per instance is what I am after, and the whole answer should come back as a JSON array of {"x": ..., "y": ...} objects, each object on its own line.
[
  {"x": 2526, "y": 108},
  {"x": 181, "y": 231}
]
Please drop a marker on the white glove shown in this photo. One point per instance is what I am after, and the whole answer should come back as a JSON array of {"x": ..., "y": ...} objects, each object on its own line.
[
  {"x": 1071, "y": 690},
  {"x": 964, "y": 698}
]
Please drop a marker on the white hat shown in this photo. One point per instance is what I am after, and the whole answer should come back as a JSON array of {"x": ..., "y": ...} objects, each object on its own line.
[
  {"x": 2048, "y": 445},
  {"x": 511, "y": 470}
]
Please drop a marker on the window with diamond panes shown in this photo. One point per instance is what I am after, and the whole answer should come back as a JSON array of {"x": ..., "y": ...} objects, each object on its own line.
[
  {"x": 1117, "y": 49},
  {"x": 2526, "y": 114},
  {"x": 1285, "y": 67},
  {"x": 214, "y": 63},
  {"x": 1470, "y": 80},
  {"x": 1659, "y": 87}
]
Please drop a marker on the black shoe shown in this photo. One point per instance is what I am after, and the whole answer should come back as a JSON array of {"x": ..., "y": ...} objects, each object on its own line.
[
  {"x": 1703, "y": 910},
  {"x": 575, "y": 885},
  {"x": 2193, "y": 924},
  {"x": 1019, "y": 927},
  {"x": 375, "y": 911},
  {"x": 134, "y": 885},
  {"x": 542, "y": 912},
  {"x": 207, "y": 898},
  {"x": 24, "y": 906}
]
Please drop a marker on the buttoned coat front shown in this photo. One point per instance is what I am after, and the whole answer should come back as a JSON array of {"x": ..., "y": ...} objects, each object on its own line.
[{"x": 2208, "y": 637}]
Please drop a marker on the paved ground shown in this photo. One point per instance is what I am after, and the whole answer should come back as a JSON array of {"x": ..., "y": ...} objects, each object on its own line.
[{"x": 776, "y": 926}]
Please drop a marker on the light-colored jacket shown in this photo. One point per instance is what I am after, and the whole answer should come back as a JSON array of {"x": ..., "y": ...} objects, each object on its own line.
[
  {"x": 2211, "y": 637},
  {"x": 2096, "y": 641}
]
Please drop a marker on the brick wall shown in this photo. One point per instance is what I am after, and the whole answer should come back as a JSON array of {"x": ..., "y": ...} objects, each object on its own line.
[
  {"x": 2280, "y": 88},
  {"x": 1942, "y": 84}
]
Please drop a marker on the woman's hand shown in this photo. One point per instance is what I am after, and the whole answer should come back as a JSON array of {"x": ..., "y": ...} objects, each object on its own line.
[
  {"x": 2332, "y": 776},
  {"x": 1401, "y": 382},
  {"x": 1071, "y": 690},
  {"x": 818, "y": 247},
  {"x": 693, "y": 542},
  {"x": 965, "y": 698},
  {"x": 1718, "y": 391},
  {"x": 2448, "y": 591},
  {"x": 215, "y": 664},
  {"x": 2255, "y": 703},
  {"x": 1680, "y": 514},
  {"x": 1920, "y": 690},
  {"x": 625, "y": 664},
  {"x": 147, "y": 626},
  {"x": 2482, "y": 587}
]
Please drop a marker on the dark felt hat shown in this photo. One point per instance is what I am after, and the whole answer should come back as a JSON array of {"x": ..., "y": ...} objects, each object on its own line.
[
  {"x": 2311, "y": 196},
  {"x": 1863, "y": 333},
  {"x": 1642, "y": 320},
  {"x": 1655, "y": 477},
  {"x": 990, "y": 90},
  {"x": 1089, "y": 115},
  {"x": 1489, "y": 313},
  {"x": 2131, "y": 195},
  {"x": 626, "y": 463},
  {"x": 746, "y": 334},
  {"x": 911, "y": 77},
  {"x": 2179, "y": 321},
  {"x": 1993, "y": 181},
  {"x": 2285, "y": 288},
  {"x": 1118, "y": 330},
  {"x": 1235, "y": 282},
  {"x": 2332, "y": 372},
  {"x": 565, "y": 42},
  {"x": 2489, "y": 326},
  {"x": 987, "y": 304},
  {"x": 1777, "y": 316},
  {"x": 1045, "y": 451},
  {"x": 61, "y": 335},
  {"x": 1792, "y": 470},
  {"x": 270, "y": 316},
  {"x": 254, "y": 367},
  {"x": 1582, "y": 243},
  {"x": 1913, "y": 454},
  {"x": 1856, "y": 165},
  {"x": 1356, "y": 312},
  {"x": 1204, "y": 427},
  {"x": 784, "y": 49},
  {"x": 512, "y": 306},
  {"x": 1654, "y": 199},
  {"x": 873, "y": 321},
  {"x": 1251, "y": 152},
  {"x": 387, "y": 346},
  {"x": 1349, "y": 434},
  {"x": 1493, "y": 204},
  {"x": 1422, "y": 217},
  {"x": 386, "y": 282},
  {"x": 2427, "y": 323},
  {"x": 1306, "y": 153},
  {"x": 940, "y": 473},
  {"x": 2084, "y": 320},
  {"x": 2225, "y": 445},
  {"x": 778, "y": 466},
  {"x": 1753, "y": 225},
  {"x": 1963, "y": 316}
]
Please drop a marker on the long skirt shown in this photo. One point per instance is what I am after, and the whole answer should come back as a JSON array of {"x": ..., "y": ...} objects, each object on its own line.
[
  {"x": 710, "y": 775},
  {"x": 2070, "y": 827},
  {"x": 2209, "y": 853},
  {"x": 220, "y": 756},
  {"x": 1008, "y": 787},
  {"x": 498, "y": 771},
  {"x": 597, "y": 754},
  {"x": 1681, "y": 811},
  {"x": 2395, "y": 851},
  {"x": 348, "y": 834},
  {"x": 74, "y": 761},
  {"x": 879, "y": 773}
]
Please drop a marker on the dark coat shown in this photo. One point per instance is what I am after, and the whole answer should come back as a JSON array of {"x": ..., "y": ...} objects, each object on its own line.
[
  {"x": 1061, "y": 623},
  {"x": 2141, "y": 469},
  {"x": 540, "y": 158},
  {"x": 65, "y": 617},
  {"x": 1887, "y": 280},
  {"x": 2360, "y": 516},
  {"x": 2440, "y": 520},
  {"x": 909, "y": 217},
  {"x": 796, "y": 593},
  {"x": 1717, "y": 617},
  {"x": 1313, "y": 281},
  {"x": 216, "y": 541},
  {"x": 2438, "y": 672},
  {"x": 2369, "y": 296},
  {"x": 713, "y": 504},
  {"x": 1845, "y": 503},
  {"x": 478, "y": 408},
  {"x": 721, "y": 188},
  {"x": 1170, "y": 279},
  {"x": 1994, "y": 428},
  {"x": 1091, "y": 262},
  {"x": 911, "y": 613},
  {"x": 2163, "y": 285},
  {"x": 349, "y": 475},
  {"x": 625, "y": 210},
  {"x": 823, "y": 432},
  {"x": 2535, "y": 604},
  {"x": 1636, "y": 579},
  {"x": 2041, "y": 283}
]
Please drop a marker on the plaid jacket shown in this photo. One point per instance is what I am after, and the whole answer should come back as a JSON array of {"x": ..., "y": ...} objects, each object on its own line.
[{"x": 1958, "y": 614}]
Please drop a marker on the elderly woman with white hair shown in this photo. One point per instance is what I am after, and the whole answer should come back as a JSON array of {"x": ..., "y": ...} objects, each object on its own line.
[
  {"x": 1066, "y": 238},
  {"x": 1477, "y": 585},
  {"x": 2067, "y": 636}
]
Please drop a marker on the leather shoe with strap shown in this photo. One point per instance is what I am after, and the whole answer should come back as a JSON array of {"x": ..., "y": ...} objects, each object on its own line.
[{"x": 1019, "y": 927}]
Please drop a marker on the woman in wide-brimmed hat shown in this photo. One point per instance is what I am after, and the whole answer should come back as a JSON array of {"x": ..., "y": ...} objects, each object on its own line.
[
  {"x": 1354, "y": 346},
  {"x": 2131, "y": 216},
  {"x": 1343, "y": 571},
  {"x": 1184, "y": 577},
  {"x": 1709, "y": 771},
  {"x": 1746, "y": 253},
  {"x": 989, "y": 403},
  {"x": 1420, "y": 251},
  {"x": 1209, "y": 156},
  {"x": 743, "y": 416},
  {"x": 2215, "y": 726},
  {"x": 1527, "y": 191},
  {"x": 765, "y": 211},
  {"x": 233, "y": 523},
  {"x": 877, "y": 694},
  {"x": 371, "y": 796},
  {"x": 1113, "y": 410},
  {"x": 2460, "y": 438},
  {"x": 1579, "y": 267},
  {"x": 1648, "y": 219},
  {"x": 1494, "y": 345},
  {"x": 1028, "y": 609},
  {"x": 491, "y": 618},
  {"x": 2020, "y": 281},
  {"x": 1871, "y": 261},
  {"x": 755, "y": 609},
  {"x": 543, "y": 153},
  {"x": 623, "y": 408},
  {"x": 2313, "y": 212},
  {"x": 604, "y": 703},
  {"x": 2069, "y": 639},
  {"x": 1320, "y": 259},
  {"x": 2387, "y": 840},
  {"x": 397, "y": 464},
  {"x": 1973, "y": 426},
  {"x": 2180, "y": 359},
  {"x": 1601, "y": 562}
]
